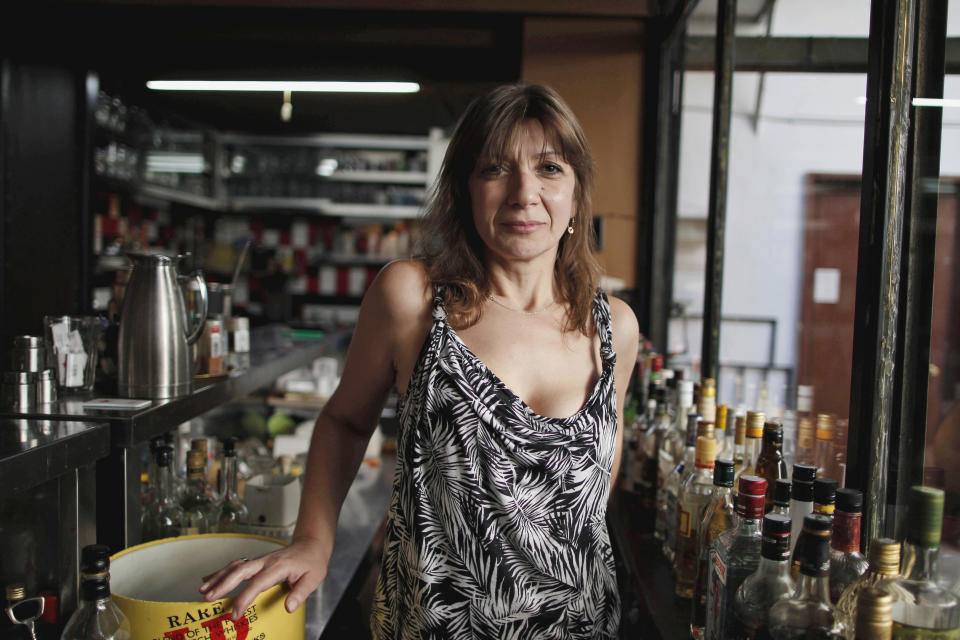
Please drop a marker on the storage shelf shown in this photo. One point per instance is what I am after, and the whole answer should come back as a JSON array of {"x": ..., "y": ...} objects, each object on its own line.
[
  {"x": 33, "y": 451},
  {"x": 390, "y": 177},
  {"x": 344, "y": 141},
  {"x": 325, "y": 207}
]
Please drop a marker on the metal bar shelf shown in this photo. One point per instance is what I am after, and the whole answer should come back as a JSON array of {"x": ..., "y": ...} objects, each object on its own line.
[{"x": 33, "y": 451}]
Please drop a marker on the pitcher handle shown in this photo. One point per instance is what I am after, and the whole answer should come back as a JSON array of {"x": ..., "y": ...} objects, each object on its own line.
[{"x": 197, "y": 330}]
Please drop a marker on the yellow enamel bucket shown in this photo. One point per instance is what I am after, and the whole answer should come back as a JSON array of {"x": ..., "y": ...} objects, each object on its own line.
[{"x": 156, "y": 586}]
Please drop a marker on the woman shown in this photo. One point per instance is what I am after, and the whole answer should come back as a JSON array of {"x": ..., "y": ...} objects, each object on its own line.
[{"x": 505, "y": 355}]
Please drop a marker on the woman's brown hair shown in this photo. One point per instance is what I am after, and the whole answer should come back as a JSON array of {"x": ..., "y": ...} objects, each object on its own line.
[{"x": 453, "y": 251}]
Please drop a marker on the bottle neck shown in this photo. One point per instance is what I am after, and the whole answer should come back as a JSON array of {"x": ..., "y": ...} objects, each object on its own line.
[
  {"x": 164, "y": 484},
  {"x": 919, "y": 563},
  {"x": 747, "y": 527},
  {"x": 229, "y": 474},
  {"x": 813, "y": 588},
  {"x": 774, "y": 568},
  {"x": 846, "y": 532}
]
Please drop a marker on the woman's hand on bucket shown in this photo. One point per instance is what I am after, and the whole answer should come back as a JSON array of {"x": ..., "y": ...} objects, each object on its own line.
[{"x": 302, "y": 564}]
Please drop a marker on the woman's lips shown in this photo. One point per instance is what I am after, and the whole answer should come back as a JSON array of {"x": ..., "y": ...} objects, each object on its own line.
[{"x": 522, "y": 227}]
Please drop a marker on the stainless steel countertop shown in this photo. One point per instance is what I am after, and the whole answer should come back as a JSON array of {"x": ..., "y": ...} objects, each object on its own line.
[{"x": 363, "y": 511}]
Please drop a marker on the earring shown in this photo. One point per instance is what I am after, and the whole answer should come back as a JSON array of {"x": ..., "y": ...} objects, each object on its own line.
[{"x": 570, "y": 228}]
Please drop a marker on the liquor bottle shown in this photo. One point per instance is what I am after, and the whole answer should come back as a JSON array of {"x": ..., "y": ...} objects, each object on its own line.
[
  {"x": 921, "y": 608},
  {"x": 707, "y": 405},
  {"x": 739, "y": 442},
  {"x": 694, "y": 495},
  {"x": 720, "y": 432},
  {"x": 806, "y": 440},
  {"x": 801, "y": 497},
  {"x": 770, "y": 464},
  {"x": 717, "y": 518},
  {"x": 734, "y": 555},
  {"x": 212, "y": 497},
  {"x": 97, "y": 617},
  {"x": 781, "y": 497},
  {"x": 680, "y": 416},
  {"x": 847, "y": 564},
  {"x": 650, "y": 442},
  {"x": 808, "y": 612},
  {"x": 149, "y": 495},
  {"x": 164, "y": 517},
  {"x": 233, "y": 512},
  {"x": 768, "y": 584},
  {"x": 840, "y": 435},
  {"x": 823, "y": 454},
  {"x": 825, "y": 496},
  {"x": 673, "y": 487},
  {"x": 668, "y": 458},
  {"x": 755, "y": 420},
  {"x": 874, "y": 615},
  {"x": 884, "y": 565},
  {"x": 196, "y": 504}
]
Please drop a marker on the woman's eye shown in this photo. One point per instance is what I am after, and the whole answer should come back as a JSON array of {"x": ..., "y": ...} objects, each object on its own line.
[
  {"x": 492, "y": 170},
  {"x": 551, "y": 168}
]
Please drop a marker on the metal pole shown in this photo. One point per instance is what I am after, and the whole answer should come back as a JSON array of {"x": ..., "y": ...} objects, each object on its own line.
[
  {"x": 719, "y": 166},
  {"x": 884, "y": 191},
  {"x": 909, "y": 425}
]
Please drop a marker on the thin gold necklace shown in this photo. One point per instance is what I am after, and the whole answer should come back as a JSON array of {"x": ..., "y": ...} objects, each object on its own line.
[{"x": 525, "y": 313}]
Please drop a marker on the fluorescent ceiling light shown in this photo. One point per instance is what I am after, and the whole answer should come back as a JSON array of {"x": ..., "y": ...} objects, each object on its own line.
[
  {"x": 283, "y": 85},
  {"x": 175, "y": 162},
  {"x": 946, "y": 103}
]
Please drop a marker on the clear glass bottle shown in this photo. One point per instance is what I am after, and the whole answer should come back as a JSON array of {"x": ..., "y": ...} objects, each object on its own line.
[
  {"x": 734, "y": 555},
  {"x": 801, "y": 497},
  {"x": 717, "y": 518},
  {"x": 196, "y": 504},
  {"x": 739, "y": 443},
  {"x": 847, "y": 564},
  {"x": 874, "y": 615},
  {"x": 668, "y": 458},
  {"x": 233, "y": 511},
  {"x": 720, "y": 431},
  {"x": 808, "y": 612},
  {"x": 212, "y": 497},
  {"x": 770, "y": 464},
  {"x": 694, "y": 495},
  {"x": 674, "y": 480},
  {"x": 884, "y": 565},
  {"x": 768, "y": 584},
  {"x": 753, "y": 443},
  {"x": 97, "y": 617},
  {"x": 781, "y": 497},
  {"x": 921, "y": 608},
  {"x": 164, "y": 517},
  {"x": 823, "y": 454}
]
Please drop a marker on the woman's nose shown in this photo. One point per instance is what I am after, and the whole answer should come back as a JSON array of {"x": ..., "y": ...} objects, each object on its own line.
[{"x": 524, "y": 188}]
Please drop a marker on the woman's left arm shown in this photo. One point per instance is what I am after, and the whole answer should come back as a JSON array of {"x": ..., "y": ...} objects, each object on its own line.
[{"x": 626, "y": 342}]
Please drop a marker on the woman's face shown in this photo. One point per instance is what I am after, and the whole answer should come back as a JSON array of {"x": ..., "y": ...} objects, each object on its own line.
[{"x": 523, "y": 202}]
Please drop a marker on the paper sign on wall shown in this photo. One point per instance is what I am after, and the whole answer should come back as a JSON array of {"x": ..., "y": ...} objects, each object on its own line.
[{"x": 826, "y": 285}]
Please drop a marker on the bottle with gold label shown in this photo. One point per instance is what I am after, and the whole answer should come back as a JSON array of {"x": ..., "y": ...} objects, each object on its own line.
[
  {"x": 694, "y": 496},
  {"x": 847, "y": 564},
  {"x": 921, "y": 608},
  {"x": 673, "y": 483},
  {"x": 825, "y": 496},
  {"x": 753, "y": 443},
  {"x": 884, "y": 564},
  {"x": 720, "y": 432},
  {"x": 707, "y": 402},
  {"x": 874, "y": 615},
  {"x": 196, "y": 506},
  {"x": 770, "y": 463},
  {"x": 717, "y": 518},
  {"x": 804, "y": 453},
  {"x": 823, "y": 454}
]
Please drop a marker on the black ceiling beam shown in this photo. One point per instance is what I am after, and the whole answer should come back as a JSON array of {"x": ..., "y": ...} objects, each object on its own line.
[{"x": 793, "y": 54}]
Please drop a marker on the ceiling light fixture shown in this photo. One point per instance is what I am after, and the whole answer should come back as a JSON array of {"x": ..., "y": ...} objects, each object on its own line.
[{"x": 283, "y": 85}]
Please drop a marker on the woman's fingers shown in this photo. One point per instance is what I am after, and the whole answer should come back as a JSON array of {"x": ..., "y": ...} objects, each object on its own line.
[
  {"x": 302, "y": 588},
  {"x": 270, "y": 576},
  {"x": 210, "y": 579},
  {"x": 228, "y": 578}
]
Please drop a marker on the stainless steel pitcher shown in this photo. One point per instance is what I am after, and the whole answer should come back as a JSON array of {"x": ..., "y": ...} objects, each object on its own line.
[{"x": 156, "y": 331}]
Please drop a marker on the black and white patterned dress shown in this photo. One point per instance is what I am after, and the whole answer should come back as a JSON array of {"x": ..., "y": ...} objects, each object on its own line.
[{"x": 497, "y": 522}]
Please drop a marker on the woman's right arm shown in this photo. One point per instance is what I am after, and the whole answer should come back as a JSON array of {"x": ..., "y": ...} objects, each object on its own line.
[{"x": 393, "y": 322}]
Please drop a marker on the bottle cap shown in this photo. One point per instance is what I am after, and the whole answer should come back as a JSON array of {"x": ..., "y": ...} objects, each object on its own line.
[
  {"x": 849, "y": 500},
  {"x": 806, "y": 434},
  {"x": 199, "y": 444},
  {"x": 706, "y": 452},
  {"x": 775, "y": 537},
  {"x": 16, "y": 592},
  {"x": 169, "y": 437},
  {"x": 874, "y": 613},
  {"x": 781, "y": 492},
  {"x": 804, "y": 473},
  {"x": 739, "y": 430},
  {"x": 657, "y": 363},
  {"x": 705, "y": 429},
  {"x": 196, "y": 462},
  {"x": 164, "y": 456},
  {"x": 721, "y": 422},
  {"x": 773, "y": 432},
  {"x": 755, "y": 420},
  {"x": 230, "y": 444},
  {"x": 708, "y": 388},
  {"x": 817, "y": 524},
  {"x": 752, "y": 496},
  {"x": 885, "y": 556},
  {"x": 723, "y": 472},
  {"x": 95, "y": 559},
  {"x": 925, "y": 517},
  {"x": 825, "y": 426},
  {"x": 825, "y": 491}
]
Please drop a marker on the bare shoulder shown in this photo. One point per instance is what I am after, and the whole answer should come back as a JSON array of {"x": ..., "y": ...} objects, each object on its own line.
[
  {"x": 401, "y": 290},
  {"x": 626, "y": 331}
]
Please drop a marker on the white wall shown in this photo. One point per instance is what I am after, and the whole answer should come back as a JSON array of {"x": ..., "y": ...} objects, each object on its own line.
[{"x": 808, "y": 123}]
